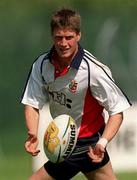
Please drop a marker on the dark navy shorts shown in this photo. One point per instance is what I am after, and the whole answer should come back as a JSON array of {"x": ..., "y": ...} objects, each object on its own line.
[{"x": 79, "y": 161}]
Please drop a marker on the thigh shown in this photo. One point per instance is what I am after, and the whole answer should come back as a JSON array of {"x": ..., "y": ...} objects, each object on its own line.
[
  {"x": 62, "y": 171},
  {"x": 41, "y": 174},
  {"x": 103, "y": 173}
]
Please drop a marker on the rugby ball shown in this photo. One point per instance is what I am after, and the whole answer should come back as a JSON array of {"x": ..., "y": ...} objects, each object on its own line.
[{"x": 60, "y": 138}]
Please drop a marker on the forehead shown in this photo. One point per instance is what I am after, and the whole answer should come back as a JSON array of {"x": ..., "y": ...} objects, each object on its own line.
[{"x": 64, "y": 32}]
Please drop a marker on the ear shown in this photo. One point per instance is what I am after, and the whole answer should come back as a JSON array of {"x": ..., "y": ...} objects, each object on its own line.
[{"x": 78, "y": 36}]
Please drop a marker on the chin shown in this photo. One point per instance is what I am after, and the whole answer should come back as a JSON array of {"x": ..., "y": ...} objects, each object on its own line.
[{"x": 65, "y": 55}]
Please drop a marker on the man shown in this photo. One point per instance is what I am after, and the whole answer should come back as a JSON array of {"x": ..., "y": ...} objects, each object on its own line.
[{"x": 74, "y": 82}]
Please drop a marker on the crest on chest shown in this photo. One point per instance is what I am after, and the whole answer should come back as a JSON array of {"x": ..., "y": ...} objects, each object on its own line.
[{"x": 73, "y": 86}]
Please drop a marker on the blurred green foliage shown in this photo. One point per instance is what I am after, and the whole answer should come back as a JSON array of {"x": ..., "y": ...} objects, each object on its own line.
[{"x": 109, "y": 31}]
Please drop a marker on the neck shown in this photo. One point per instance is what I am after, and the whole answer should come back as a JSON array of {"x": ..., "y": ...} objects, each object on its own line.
[{"x": 63, "y": 62}]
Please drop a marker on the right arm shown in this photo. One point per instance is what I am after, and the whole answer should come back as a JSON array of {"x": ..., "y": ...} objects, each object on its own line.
[
  {"x": 32, "y": 120},
  {"x": 33, "y": 97}
]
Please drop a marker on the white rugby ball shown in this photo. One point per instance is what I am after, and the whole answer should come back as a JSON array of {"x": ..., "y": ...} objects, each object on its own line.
[{"x": 60, "y": 138}]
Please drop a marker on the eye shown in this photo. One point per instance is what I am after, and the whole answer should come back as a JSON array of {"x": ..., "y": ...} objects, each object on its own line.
[
  {"x": 69, "y": 37},
  {"x": 58, "y": 38}
]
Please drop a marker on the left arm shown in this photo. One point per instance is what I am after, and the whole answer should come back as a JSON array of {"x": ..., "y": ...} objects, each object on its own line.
[
  {"x": 109, "y": 95},
  {"x": 111, "y": 129},
  {"x": 112, "y": 126}
]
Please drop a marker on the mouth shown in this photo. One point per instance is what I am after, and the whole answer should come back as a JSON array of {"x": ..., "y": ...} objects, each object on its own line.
[{"x": 64, "y": 49}]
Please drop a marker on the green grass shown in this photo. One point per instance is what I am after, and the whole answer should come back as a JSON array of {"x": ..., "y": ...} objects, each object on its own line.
[
  {"x": 120, "y": 176},
  {"x": 15, "y": 168},
  {"x": 127, "y": 176},
  {"x": 19, "y": 168}
]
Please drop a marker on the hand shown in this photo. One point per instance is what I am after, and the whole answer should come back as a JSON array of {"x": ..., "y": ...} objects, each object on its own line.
[
  {"x": 96, "y": 153},
  {"x": 31, "y": 144}
]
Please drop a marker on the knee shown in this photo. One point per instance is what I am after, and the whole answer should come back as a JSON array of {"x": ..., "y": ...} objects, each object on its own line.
[
  {"x": 41, "y": 174},
  {"x": 33, "y": 177},
  {"x": 30, "y": 178}
]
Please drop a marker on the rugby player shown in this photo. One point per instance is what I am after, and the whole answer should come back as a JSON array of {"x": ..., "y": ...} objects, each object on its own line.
[{"x": 74, "y": 82}]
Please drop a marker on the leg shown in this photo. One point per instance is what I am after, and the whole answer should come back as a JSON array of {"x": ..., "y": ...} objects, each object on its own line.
[
  {"x": 64, "y": 170},
  {"x": 104, "y": 173},
  {"x": 41, "y": 174}
]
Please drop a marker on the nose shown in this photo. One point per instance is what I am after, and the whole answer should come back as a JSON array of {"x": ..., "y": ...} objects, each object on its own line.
[{"x": 63, "y": 41}]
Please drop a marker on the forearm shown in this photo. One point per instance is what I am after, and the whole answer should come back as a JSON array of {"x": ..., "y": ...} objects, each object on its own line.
[
  {"x": 32, "y": 119},
  {"x": 112, "y": 126}
]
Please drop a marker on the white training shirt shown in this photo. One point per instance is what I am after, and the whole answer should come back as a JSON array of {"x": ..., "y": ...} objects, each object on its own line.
[{"x": 83, "y": 92}]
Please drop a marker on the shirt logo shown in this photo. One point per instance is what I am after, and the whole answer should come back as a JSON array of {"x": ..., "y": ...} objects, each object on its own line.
[
  {"x": 73, "y": 86},
  {"x": 60, "y": 98}
]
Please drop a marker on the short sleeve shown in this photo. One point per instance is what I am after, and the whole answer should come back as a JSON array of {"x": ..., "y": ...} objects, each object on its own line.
[
  {"x": 35, "y": 94},
  {"x": 107, "y": 93}
]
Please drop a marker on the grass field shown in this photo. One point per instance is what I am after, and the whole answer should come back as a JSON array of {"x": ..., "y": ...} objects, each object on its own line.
[
  {"x": 19, "y": 168},
  {"x": 121, "y": 176}
]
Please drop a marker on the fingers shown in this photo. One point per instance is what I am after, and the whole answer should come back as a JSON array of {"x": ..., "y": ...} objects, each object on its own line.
[
  {"x": 31, "y": 149},
  {"x": 35, "y": 153},
  {"x": 96, "y": 154},
  {"x": 31, "y": 145}
]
